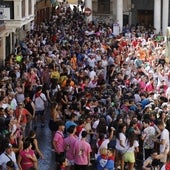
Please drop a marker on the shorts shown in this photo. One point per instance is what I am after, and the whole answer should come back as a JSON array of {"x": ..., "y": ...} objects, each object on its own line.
[
  {"x": 80, "y": 167},
  {"x": 41, "y": 113},
  {"x": 129, "y": 157},
  {"x": 59, "y": 157}
]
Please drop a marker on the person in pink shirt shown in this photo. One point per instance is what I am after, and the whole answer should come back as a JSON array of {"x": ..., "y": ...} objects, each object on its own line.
[
  {"x": 142, "y": 83},
  {"x": 69, "y": 145},
  {"x": 150, "y": 86},
  {"x": 81, "y": 152},
  {"x": 58, "y": 143}
]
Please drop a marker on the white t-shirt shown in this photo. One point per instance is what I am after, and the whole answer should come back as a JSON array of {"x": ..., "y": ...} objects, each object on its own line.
[
  {"x": 103, "y": 145},
  {"x": 39, "y": 102},
  {"x": 164, "y": 136},
  {"x": 132, "y": 148},
  {"x": 148, "y": 134},
  {"x": 4, "y": 159},
  {"x": 168, "y": 93},
  {"x": 122, "y": 138},
  {"x": 92, "y": 74},
  {"x": 95, "y": 124}
]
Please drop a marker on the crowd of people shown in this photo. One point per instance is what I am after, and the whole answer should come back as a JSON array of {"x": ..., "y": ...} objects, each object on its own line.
[{"x": 105, "y": 97}]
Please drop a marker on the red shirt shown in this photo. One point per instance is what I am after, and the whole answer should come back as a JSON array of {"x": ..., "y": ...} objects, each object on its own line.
[{"x": 23, "y": 113}]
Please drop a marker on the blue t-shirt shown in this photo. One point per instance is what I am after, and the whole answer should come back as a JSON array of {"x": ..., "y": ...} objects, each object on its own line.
[
  {"x": 144, "y": 102},
  {"x": 104, "y": 163},
  {"x": 110, "y": 165}
]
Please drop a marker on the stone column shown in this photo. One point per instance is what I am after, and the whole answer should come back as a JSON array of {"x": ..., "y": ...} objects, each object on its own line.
[
  {"x": 165, "y": 15},
  {"x": 157, "y": 15},
  {"x": 119, "y": 14},
  {"x": 26, "y": 8},
  {"x": 88, "y": 4},
  {"x": 17, "y": 9},
  {"x": 11, "y": 45},
  {"x": 2, "y": 48},
  {"x": 32, "y": 8}
]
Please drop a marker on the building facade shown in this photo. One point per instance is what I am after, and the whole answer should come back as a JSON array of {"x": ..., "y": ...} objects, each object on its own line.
[
  {"x": 43, "y": 11},
  {"x": 16, "y": 17},
  {"x": 143, "y": 12}
]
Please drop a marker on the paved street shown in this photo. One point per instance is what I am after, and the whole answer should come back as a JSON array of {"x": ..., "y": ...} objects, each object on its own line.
[{"x": 44, "y": 139}]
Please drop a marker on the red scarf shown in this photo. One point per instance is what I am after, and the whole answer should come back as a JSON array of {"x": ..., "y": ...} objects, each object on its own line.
[
  {"x": 103, "y": 156},
  {"x": 100, "y": 142},
  {"x": 111, "y": 158},
  {"x": 37, "y": 94}
]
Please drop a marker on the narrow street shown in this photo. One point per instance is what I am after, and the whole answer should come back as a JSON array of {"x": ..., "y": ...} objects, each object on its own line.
[{"x": 44, "y": 139}]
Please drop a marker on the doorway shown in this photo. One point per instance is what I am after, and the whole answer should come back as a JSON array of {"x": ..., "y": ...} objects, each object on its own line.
[{"x": 145, "y": 17}]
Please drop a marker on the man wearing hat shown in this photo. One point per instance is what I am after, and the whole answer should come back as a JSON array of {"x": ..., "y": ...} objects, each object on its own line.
[{"x": 8, "y": 155}]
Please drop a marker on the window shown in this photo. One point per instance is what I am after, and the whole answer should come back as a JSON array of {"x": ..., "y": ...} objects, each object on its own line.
[{"x": 104, "y": 6}]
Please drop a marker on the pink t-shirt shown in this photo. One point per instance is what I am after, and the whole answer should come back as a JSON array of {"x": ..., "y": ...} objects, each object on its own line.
[
  {"x": 81, "y": 151},
  {"x": 142, "y": 85},
  {"x": 59, "y": 141},
  {"x": 26, "y": 162},
  {"x": 149, "y": 87},
  {"x": 69, "y": 143}
]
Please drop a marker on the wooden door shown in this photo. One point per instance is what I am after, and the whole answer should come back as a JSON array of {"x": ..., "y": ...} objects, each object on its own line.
[{"x": 145, "y": 17}]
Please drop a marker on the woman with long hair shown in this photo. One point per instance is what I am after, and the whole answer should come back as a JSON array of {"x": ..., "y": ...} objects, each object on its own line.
[
  {"x": 102, "y": 126},
  {"x": 120, "y": 144},
  {"x": 34, "y": 142},
  {"x": 131, "y": 147}
]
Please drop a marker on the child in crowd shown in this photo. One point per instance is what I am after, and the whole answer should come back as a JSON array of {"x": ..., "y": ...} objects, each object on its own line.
[{"x": 105, "y": 161}]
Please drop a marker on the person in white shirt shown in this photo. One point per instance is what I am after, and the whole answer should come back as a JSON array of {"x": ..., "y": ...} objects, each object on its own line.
[
  {"x": 163, "y": 141},
  {"x": 12, "y": 101},
  {"x": 40, "y": 101},
  {"x": 148, "y": 135},
  {"x": 132, "y": 146},
  {"x": 153, "y": 161},
  {"x": 8, "y": 155},
  {"x": 120, "y": 144}
]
